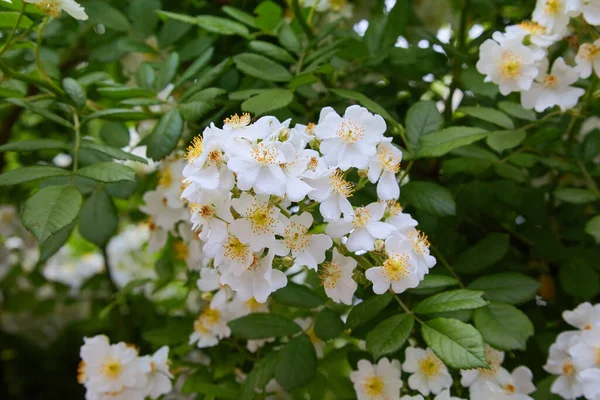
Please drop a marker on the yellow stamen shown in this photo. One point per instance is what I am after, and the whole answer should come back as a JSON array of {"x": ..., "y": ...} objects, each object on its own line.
[
  {"x": 340, "y": 185},
  {"x": 111, "y": 368},
  {"x": 49, "y": 8},
  {"x": 374, "y": 387},
  {"x": 350, "y": 132},
  {"x": 296, "y": 236},
  {"x": 430, "y": 365},
  {"x": 236, "y": 121},
  {"x": 195, "y": 149},
  {"x": 396, "y": 267},
  {"x": 362, "y": 217},
  {"x": 330, "y": 274},
  {"x": 510, "y": 66},
  {"x": 207, "y": 320},
  {"x": 551, "y": 81}
]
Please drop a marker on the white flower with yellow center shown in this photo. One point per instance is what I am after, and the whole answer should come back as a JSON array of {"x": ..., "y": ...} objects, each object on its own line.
[
  {"x": 169, "y": 181},
  {"x": 241, "y": 127},
  {"x": 159, "y": 377},
  {"x": 420, "y": 246},
  {"x": 478, "y": 380},
  {"x": 258, "y": 222},
  {"x": 211, "y": 217},
  {"x": 585, "y": 316},
  {"x": 445, "y": 395},
  {"x": 162, "y": 215},
  {"x": 586, "y": 352},
  {"x": 332, "y": 190},
  {"x": 258, "y": 166},
  {"x": 588, "y": 59},
  {"x": 306, "y": 248},
  {"x": 189, "y": 249},
  {"x": 210, "y": 327},
  {"x": 383, "y": 167},
  {"x": 589, "y": 8},
  {"x": 537, "y": 34},
  {"x": 296, "y": 189},
  {"x": 258, "y": 281},
  {"x": 377, "y": 382},
  {"x": 429, "y": 373},
  {"x": 336, "y": 278},
  {"x": 232, "y": 255},
  {"x": 515, "y": 386},
  {"x": 401, "y": 221},
  {"x": 349, "y": 141},
  {"x": 366, "y": 226},
  {"x": 562, "y": 364},
  {"x": 552, "y": 14},
  {"x": 507, "y": 62},
  {"x": 54, "y": 7},
  {"x": 553, "y": 88},
  {"x": 399, "y": 270},
  {"x": 72, "y": 269}
]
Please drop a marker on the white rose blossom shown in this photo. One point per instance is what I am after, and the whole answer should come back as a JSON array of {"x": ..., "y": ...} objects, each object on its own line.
[{"x": 380, "y": 381}]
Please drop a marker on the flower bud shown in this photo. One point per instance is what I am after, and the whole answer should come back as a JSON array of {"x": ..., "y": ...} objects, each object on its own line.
[
  {"x": 363, "y": 173},
  {"x": 379, "y": 245},
  {"x": 206, "y": 296}
]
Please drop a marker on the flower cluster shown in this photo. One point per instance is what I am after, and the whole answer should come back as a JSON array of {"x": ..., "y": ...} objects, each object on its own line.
[
  {"x": 575, "y": 355},
  {"x": 72, "y": 269},
  {"x": 116, "y": 371},
  {"x": 517, "y": 59},
  {"x": 264, "y": 197}
]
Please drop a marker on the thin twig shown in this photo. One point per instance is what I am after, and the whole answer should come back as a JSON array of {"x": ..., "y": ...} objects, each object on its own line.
[{"x": 446, "y": 264}]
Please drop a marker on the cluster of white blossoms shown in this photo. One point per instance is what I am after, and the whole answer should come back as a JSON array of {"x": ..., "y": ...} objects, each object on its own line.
[
  {"x": 264, "y": 197},
  {"x": 73, "y": 269},
  {"x": 575, "y": 355},
  {"x": 517, "y": 59},
  {"x": 118, "y": 372},
  {"x": 54, "y": 8}
]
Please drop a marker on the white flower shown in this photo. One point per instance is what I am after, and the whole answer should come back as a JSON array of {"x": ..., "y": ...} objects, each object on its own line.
[
  {"x": 159, "y": 377},
  {"x": 72, "y": 270},
  {"x": 589, "y": 8},
  {"x": 211, "y": 217},
  {"x": 296, "y": 188},
  {"x": 258, "y": 223},
  {"x": 377, "y": 382},
  {"x": 584, "y": 317},
  {"x": 307, "y": 248},
  {"x": 349, "y": 141},
  {"x": 332, "y": 191},
  {"x": 560, "y": 363},
  {"x": 445, "y": 395},
  {"x": 538, "y": 34},
  {"x": 258, "y": 281},
  {"x": 307, "y": 326},
  {"x": 399, "y": 270},
  {"x": 515, "y": 386},
  {"x": 585, "y": 352},
  {"x": 127, "y": 257},
  {"x": 552, "y": 14},
  {"x": 588, "y": 58},
  {"x": 506, "y": 61},
  {"x": 554, "y": 88},
  {"x": 429, "y": 374},
  {"x": 589, "y": 380},
  {"x": 401, "y": 221},
  {"x": 478, "y": 380},
  {"x": 54, "y": 7},
  {"x": 383, "y": 167},
  {"x": 336, "y": 277},
  {"x": 169, "y": 182},
  {"x": 158, "y": 209},
  {"x": 420, "y": 245},
  {"x": 366, "y": 226},
  {"x": 232, "y": 253},
  {"x": 210, "y": 327},
  {"x": 409, "y": 397}
]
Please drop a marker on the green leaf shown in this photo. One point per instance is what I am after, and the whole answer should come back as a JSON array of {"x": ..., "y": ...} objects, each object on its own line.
[
  {"x": 208, "y": 95},
  {"x": 465, "y": 165},
  {"x": 260, "y": 375},
  {"x": 165, "y": 135},
  {"x": 33, "y": 145},
  {"x": 144, "y": 16},
  {"x": 389, "y": 336},
  {"x": 438, "y": 143},
  {"x": 457, "y": 344},
  {"x": 367, "y": 310},
  {"x": 296, "y": 295},
  {"x": 263, "y": 326},
  {"x": 115, "y": 134},
  {"x": 489, "y": 115},
  {"x": 261, "y": 67},
  {"x": 196, "y": 66},
  {"x": 107, "y": 15},
  {"x": 297, "y": 364},
  {"x": 515, "y": 110},
  {"x": 50, "y": 209},
  {"x": 271, "y": 50},
  {"x": 208, "y": 78},
  {"x": 75, "y": 92},
  {"x": 365, "y": 102},
  {"x": 328, "y": 325},
  {"x": 107, "y": 172},
  {"x": 177, "y": 17},
  {"x": 222, "y": 26},
  {"x": 41, "y": 111},
  {"x": 485, "y": 253},
  {"x": 396, "y": 23},
  {"x": 198, "y": 384},
  {"x": 575, "y": 196},
  {"x": 507, "y": 287},
  {"x": 112, "y": 152},
  {"x": 474, "y": 82},
  {"x": 592, "y": 227},
  {"x": 460, "y": 299},
  {"x": 167, "y": 71},
  {"x": 27, "y": 174},
  {"x": 144, "y": 76},
  {"x": 268, "y": 15},
  {"x": 8, "y": 19},
  {"x": 422, "y": 118},
  {"x": 98, "y": 220},
  {"x": 116, "y": 114},
  {"x": 194, "y": 110},
  {"x": 429, "y": 197},
  {"x": 288, "y": 39},
  {"x": 239, "y": 15},
  {"x": 124, "y": 92},
  {"x": 268, "y": 100},
  {"x": 433, "y": 283},
  {"x": 504, "y": 140},
  {"x": 503, "y": 326},
  {"x": 578, "y": 277},
  {"x": 51, "y": 245}
]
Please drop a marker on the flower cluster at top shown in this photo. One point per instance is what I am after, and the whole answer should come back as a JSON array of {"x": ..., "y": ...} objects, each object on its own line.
[
  {"x": 575, "y": 355},
  {"x": 517, "y": 59},
  {"x": 264, "y": 197},
  {"x": 116, "y": 371},
  {"x": 429, "y": 375}
]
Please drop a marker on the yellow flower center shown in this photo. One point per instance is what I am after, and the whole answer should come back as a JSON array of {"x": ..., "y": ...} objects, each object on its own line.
[
  {"x": 313, "y": 163},
  {"x": 235, "y": 250},
  {"x": 373, "y": 387},
  {"x": 206, "y": 320},
  {"x": 237, "y": 122},
  {"x": 340, "y": 185},
  {"x": 81, "y": 372},
  {"x": 551, "y": 81},
  {"x": 49, "y": 8},
  {"x": 389, "y": 160},
  {"x": 568, "y": 368},
  {"x": 181, "y": 250},
  {"x": 396, "y": 266},
  {"x": 296, "y": 236},
  {"x": 552, "y": 6},
  {"x": 430, "y": 366},
  {"x": 255, "y": 262},
  {"x": 533, "y": 27},
  {"x": 252, "y": 304},
  {"x": 310, "y": 129},
  {"x": 165, "y": 177},
  {"x": 330, "y": 274},
  {"x": 362, "y": 217},
  {"x": 510, "y": 65},
  {"x": 350, "y": 132},
  {"x": 394, "y": 208},
  {"x": 510, "y": 388},
  {"x": 261, "y": 218},
  {"x": 264, "y": 154},
  {"x": 597, "y": 349},
  {"x": 111, "y": 368},
  {"x": 587, "y": 327},
  {"x": 204, "y": 210},
  {"x": 195, "y": 149},
  {"x": 588, "y": 51},
  {"x": 419, "y": 241},
  {"x": 337, "y": 5},
  {"x": 215, "y": 157}
]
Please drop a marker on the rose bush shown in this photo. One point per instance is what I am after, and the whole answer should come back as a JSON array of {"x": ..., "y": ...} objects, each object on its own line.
[{"x": 303, "y": 199}]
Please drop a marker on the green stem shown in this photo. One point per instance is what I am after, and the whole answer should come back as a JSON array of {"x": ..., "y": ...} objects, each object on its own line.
[
  {"x": 303, "y": 24},
  {"x": 588, "y": 178},
  {"x": 439, "y": 256},
  {"x": 38, "y": 48},
  {"x": 30, "y": 79},
  {"x": 405, "y": 307},
  {"x": 14, "y": 29},
  {"x": 406, "y": 171},
  {"x": 77, "y": 126},
  {"x": 456, "y": 65}
]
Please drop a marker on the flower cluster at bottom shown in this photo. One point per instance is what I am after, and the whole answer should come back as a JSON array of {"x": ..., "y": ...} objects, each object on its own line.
[{"x": 116, "y": 371}]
